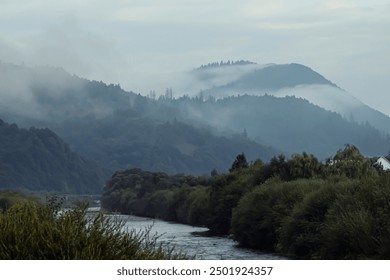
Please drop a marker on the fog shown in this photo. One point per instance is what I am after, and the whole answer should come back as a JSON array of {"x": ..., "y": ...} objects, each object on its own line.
[
  {"x": 325, "y": 96},
  {"x": 142, "y": 44},
  {"x": 192, "y": 82},
  {"x": 44, "y": 92}
]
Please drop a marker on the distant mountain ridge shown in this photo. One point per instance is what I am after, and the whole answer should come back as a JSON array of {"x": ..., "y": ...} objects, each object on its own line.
[
  {"x": 121, "y": 129},
  {"x": 290, "y": 124},
  {"x": 275, "y": 77},
  {"x": 289, "y": 80}
]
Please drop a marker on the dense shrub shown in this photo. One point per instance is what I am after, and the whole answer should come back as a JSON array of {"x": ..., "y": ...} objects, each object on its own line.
[
  {"x": 337, "y": 218},
  {"x": 226, "y": 192},
  {"x": 298, "y": 207},
  {"x": 189, "y": 205},
  {"x": 358, "y": 222},
  {"x": 9, "y": 198},
  {"x": 261, "y": 212},
  {"x": 301, "y": 233}
]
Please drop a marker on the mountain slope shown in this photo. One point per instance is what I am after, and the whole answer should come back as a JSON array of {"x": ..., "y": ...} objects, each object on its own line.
[
  {"x": 289, "y": 80},
  {"x": 290, "y": 124},
  {"x": 38, "y": 160},
  {"x": 118, "y": 129},
  {"x": 123, "y": 141},
  {"x": 121, "y": 129},
  {"x": 273, "y": 78}
]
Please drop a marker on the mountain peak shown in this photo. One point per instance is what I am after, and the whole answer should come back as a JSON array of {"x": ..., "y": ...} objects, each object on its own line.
[{"x": 287, "y": 75}]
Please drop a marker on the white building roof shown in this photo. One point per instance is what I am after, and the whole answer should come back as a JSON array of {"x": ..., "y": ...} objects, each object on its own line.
[{"x": 384, "y": 163}]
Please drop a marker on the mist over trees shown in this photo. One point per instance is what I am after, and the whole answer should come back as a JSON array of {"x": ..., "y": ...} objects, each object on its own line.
[
  {"x": 193, "y": 135},
  {"x": 289, "y": 124},
  {"x": 227, "y": 63}
]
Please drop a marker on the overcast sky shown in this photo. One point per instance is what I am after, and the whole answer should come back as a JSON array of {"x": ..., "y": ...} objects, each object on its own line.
[{"x": 137, "y": 43}]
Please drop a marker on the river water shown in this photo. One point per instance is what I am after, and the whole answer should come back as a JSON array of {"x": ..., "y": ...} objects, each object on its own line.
[{"x": 189, "y": 240}]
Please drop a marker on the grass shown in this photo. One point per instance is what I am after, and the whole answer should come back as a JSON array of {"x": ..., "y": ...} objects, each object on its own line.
[{"x": 31, "y": 230}]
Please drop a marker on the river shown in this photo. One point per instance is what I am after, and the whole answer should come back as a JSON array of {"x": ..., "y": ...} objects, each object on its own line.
[{"x": 192, "y": 242}]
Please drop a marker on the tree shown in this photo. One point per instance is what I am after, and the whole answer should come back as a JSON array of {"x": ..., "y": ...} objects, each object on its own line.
[
  {"x": 239, "y": 163},
  {"x": 351, "y": 163},
  {"x": 303, "y": 166},
  {"x": 214, "y": 172}
]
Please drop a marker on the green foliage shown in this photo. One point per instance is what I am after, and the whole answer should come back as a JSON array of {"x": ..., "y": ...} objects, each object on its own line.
[
  {"x": 239, "y": 163},
  {"x": 189, "y": 205},
  {"x": 304, "y": 166},
  {"x": 177, "y": 198},
  {"x": 9, "y": 198},
  {"x": 226, "y": 191},
  {"x": 358, "y": 222},
  {"x": 298, "y": 207},
  {"x": 300, "y": 234},
  {"x": 350, "y": 163},
  {"x": 336, "y": 218},
  {"x": 260, "y": 213},
  {"x": 31, "y": 230},
  {"x": 199, "y": 206}
]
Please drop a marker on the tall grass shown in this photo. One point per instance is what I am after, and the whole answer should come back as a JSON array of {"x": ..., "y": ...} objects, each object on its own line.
[{"x": 33, "y": 230}]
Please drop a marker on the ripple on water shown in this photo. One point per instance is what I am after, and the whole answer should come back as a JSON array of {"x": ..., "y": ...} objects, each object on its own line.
[{"x": 182, "y": 237}]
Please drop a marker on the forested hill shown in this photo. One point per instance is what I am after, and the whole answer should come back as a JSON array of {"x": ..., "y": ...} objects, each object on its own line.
[
  {"x": 121, "y": 129},
  {"x": 125, "y": 141},
  {"x": 38, "y": 160},
  {"x": 292, "y": 125},
  {"x": 228, "y": 79},
  {"x": 273, "y": 77}
]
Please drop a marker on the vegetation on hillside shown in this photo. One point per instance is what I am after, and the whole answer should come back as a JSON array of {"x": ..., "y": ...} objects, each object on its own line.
[
  {"x": 124, "y": 141},
  {"x": 37, "y": 159},
  {"x": 289, "y": 124},
  {"x": 122, "y": 130}
]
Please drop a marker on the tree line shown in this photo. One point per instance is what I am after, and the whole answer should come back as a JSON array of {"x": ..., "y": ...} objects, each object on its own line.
[{"x": 299, "y": 207}]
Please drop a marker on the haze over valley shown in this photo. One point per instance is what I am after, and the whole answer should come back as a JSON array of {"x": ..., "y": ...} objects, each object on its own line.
[
  {"x": 263, "y": 125},
  {"x": 233, "y": 107}
]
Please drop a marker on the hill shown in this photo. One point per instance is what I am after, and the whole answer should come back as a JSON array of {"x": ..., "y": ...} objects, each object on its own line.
[
  {"x": 285, "y": 80},
  {"x": 289, "y": 124},
  {"x": 124, "y": 141},
  {"x": 38, "y": 160},
  {"x": 272, "y": 78},
  {"x": 121, "y": 129},
  {"x": 118, "y": 129}
]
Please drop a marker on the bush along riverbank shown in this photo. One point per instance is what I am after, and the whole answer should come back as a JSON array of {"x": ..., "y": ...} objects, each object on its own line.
[
  {"x": 300, "y": 207},
  {"x": 30, "y": 229}
]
